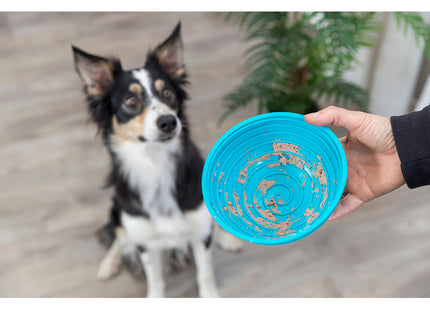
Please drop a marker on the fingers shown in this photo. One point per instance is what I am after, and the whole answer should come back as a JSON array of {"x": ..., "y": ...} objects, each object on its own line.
[
  {"x": 343, "y": 140},
  {"x": 336, "y": 116},
  {"x": 346, "y": 205}
]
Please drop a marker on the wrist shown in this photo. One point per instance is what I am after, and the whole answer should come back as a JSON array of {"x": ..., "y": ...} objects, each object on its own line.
[{"x": 411, "y": 133}]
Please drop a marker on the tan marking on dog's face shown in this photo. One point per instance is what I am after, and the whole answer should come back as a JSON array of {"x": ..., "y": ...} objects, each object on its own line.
[
  {"x": 129, "y": 131},
  {"x": 159, "y": 85},
  {"x": 135, "y": 88}
]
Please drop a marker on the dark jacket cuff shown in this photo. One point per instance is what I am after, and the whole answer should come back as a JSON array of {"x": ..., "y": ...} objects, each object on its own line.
[{"x": 412, "y": 137}]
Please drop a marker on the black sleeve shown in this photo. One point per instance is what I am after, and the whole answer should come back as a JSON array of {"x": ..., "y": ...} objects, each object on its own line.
[{"x": 412, "y": 137}]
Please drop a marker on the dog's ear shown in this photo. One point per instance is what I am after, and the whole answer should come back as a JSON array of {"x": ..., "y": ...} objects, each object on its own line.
[
  {"x": 170, "y": 54},
  {"x": 96, "y": 72}
]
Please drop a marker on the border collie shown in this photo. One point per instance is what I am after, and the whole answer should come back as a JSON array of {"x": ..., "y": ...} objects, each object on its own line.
[{"x": 155, "y": 167}]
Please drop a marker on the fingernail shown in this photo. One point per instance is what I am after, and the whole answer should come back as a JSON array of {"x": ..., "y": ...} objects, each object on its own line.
[{"x": 311, "y": 115}]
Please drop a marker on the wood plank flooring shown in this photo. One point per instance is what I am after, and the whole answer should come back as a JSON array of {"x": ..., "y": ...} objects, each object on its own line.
[{"x": 52, "y": 167}]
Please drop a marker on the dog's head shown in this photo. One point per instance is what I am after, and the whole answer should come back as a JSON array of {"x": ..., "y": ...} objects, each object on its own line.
[{"x": 139, "y": 105}]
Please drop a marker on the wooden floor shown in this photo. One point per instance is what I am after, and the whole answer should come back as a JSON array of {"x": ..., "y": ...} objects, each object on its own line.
[{"x": 52, "y": 167}]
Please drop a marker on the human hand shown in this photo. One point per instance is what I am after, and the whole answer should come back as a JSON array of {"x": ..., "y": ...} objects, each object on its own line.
[{"x": 371, "y": 155}]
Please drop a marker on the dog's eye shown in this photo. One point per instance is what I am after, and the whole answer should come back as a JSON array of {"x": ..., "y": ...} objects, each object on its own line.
[
  {"x": 130, "y": 101},
  {"x": 167, "y": 93}
]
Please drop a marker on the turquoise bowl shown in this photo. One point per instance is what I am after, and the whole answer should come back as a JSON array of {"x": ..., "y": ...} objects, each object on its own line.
[{"x": 274, "y": 179}]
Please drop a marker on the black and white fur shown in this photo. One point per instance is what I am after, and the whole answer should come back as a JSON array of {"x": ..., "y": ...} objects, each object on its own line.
[{"x": 156, "y": 168}]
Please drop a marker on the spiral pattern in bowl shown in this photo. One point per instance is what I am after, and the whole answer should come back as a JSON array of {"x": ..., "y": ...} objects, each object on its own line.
[{"x": 274, "y": 179}]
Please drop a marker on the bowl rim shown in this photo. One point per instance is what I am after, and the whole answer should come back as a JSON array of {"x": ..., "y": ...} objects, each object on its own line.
[{"x": 289, "y": 238}]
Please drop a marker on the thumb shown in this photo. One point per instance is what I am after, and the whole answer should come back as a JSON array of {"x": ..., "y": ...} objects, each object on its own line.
[
  {"x": 337, "y": 117},
  {"x": 346, "y": 205}
]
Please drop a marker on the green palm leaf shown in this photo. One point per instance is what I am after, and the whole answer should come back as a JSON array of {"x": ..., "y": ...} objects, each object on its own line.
[{"x": 294, "y": 59}]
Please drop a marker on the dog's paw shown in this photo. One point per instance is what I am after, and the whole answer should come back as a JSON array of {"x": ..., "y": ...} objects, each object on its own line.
[
  {"x": 232, "y": 245},
  {"x": 107, "y": 270},
  {"x": 211, "y": 292},
  {"x": 227, "y": 241}
]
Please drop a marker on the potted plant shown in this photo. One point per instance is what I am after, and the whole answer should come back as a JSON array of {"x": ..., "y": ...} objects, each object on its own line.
[{"x": 294, "y": 59}]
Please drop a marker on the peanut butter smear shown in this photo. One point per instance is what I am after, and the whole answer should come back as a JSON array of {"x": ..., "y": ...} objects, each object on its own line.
[
  {"x": 278, "y": 147},
  {"x": 262, "y": 212},
  {"x": 265, "y": 185}
]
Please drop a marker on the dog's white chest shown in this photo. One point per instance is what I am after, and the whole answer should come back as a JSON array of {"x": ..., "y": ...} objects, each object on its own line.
[
  {"x": 168, "y": 232},
  {"x": 150, "y": 169}
]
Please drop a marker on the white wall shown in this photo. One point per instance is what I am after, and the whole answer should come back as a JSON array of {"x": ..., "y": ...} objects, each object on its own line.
[{"x": 390, "y": 70}]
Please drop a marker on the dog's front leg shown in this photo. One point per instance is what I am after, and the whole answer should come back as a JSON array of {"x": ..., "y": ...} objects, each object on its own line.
[
  {"x": 205, "y": 272},
  {"x": 153, "y": 264},
  {"x": 112, "y": 260}
]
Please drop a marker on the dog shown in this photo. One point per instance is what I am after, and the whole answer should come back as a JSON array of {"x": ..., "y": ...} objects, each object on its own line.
[{"x": 156, "y": 168}]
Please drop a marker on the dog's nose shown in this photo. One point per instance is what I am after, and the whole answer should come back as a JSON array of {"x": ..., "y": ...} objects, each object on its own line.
[{"x": 166, "y": 123}]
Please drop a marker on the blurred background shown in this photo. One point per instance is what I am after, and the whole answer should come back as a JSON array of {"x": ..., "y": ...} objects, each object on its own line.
[{"x": 53, "y": 166}]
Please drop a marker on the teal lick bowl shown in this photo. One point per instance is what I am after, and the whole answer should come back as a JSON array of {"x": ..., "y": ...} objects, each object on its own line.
[{"x": 274, "y": 179}]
